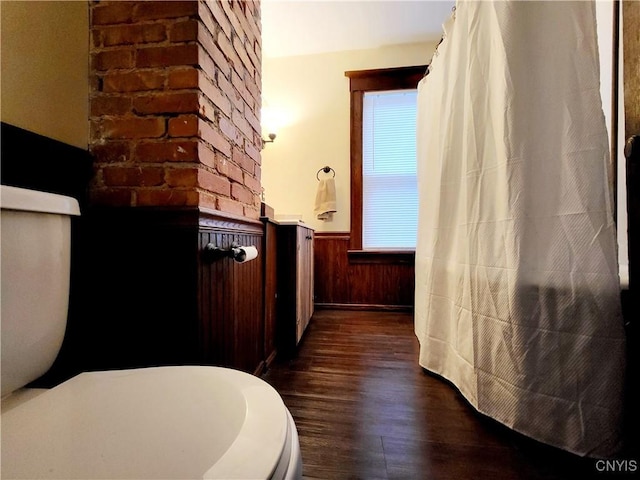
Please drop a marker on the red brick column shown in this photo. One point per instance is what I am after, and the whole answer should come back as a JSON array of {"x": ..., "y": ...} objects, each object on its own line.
[{"x": 175, "y": 104}]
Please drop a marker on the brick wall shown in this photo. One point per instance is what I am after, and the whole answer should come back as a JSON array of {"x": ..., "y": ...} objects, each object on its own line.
[{"x": 175, "y": 102}]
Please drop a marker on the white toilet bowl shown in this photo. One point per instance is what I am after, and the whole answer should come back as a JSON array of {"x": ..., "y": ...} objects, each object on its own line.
[
  {"x": 177, "y": 422},
  {"x": 153, "y": 423}
]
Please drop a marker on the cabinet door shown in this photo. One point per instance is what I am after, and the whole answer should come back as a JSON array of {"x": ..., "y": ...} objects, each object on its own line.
[
  {"x": 306, "y": 279},
  {"x": 307, "y": 261},
  {"x": 310, "y": 273}
]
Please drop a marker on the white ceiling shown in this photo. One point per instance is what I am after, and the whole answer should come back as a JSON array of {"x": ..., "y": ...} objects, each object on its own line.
[{"x": 302, "y": 27}]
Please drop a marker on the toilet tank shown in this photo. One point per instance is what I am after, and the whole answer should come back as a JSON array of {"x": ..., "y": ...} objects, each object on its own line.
[{"x": 35, "y": 243}]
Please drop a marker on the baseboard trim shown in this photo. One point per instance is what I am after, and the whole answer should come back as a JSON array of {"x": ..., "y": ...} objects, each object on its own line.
[{"x": 364, "y": 306}]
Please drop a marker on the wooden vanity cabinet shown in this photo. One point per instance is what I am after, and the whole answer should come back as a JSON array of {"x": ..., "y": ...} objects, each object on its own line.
[{"x": 295, "y": 284}]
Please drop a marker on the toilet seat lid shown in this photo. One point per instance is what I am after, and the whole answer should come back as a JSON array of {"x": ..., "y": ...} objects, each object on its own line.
[{"x": 165, "y": 422}]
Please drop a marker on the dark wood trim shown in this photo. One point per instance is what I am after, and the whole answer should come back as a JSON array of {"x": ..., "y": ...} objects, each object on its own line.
[
  {"x": 363, "y": 306},
  {"x": 382, "y": 256},
  {"x": 333, "y": 235},
  {"x": 385, "y": 78},
  {"x": 217, "y": 220},
  {"x": 357, "y": 98},
  {"x": 362, "y": 81},
  {"x": 36, "y": 162}
]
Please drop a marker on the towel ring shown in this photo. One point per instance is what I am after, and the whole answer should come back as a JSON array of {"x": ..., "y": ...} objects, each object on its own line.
[{"x": 326, "y": 169}]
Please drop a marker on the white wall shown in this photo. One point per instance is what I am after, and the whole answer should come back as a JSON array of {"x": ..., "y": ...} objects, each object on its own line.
[
  {"x": 45, "y": 68},
  {"x": 311, "y": 93}
]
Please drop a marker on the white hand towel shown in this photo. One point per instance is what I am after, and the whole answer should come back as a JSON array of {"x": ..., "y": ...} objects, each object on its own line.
[{"x": 325, "y": 205}]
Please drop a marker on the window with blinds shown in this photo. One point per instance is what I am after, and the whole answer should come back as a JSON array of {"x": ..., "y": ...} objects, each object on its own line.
[{"x": 390, "y": 191}]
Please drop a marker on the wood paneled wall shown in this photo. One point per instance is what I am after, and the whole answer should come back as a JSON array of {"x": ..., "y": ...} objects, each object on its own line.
[
  {"x": 133, "y": 299},
  {"x": 231, "y": 324},
  {"x": 361, "y": 280},
  {"x": 143, "y": 294}
]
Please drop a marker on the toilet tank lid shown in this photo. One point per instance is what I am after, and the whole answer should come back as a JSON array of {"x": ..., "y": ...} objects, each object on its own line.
[{"x": 15, "y": 198}]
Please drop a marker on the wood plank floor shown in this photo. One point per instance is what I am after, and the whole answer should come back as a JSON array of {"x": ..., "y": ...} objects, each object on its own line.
[{"x": 365, "y": 409}]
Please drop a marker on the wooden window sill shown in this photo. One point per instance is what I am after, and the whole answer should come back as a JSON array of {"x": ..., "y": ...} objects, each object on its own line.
[{"x": 382, "y": 256}]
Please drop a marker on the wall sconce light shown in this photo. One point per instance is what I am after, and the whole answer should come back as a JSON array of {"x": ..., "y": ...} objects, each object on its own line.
[{"x": 272, "y": 137}]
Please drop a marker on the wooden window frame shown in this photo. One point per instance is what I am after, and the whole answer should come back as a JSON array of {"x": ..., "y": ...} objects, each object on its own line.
[{"x": 361, "y": 81}]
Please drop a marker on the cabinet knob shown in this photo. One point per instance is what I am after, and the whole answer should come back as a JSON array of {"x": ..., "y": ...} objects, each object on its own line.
[{"x": 632, "y": 148}]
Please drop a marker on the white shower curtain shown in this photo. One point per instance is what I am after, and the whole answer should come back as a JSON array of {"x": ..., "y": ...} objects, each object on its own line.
[{"x": 517, "y": 289}]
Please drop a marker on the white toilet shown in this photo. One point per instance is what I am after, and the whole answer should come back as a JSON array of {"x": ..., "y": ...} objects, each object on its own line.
[{"x": 179, "y": 422}]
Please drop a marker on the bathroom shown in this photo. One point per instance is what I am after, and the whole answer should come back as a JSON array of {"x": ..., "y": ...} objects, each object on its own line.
[{"x": 145, "y": 260}]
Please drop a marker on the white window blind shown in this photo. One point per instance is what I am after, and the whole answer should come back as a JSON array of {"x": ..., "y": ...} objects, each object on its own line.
[{"x": 389, "y": 187}]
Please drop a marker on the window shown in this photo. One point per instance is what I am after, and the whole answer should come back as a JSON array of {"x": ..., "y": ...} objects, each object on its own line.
[
  {"x": 383, "y": 172},
  {"x": 389, "y": 187}
]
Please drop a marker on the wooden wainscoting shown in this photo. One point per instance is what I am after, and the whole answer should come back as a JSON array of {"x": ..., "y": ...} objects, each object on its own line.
[
  {"x": 357, "y": 280},
  {"x": 231, "y": 319},
  {"x": 143, "y": 295}
]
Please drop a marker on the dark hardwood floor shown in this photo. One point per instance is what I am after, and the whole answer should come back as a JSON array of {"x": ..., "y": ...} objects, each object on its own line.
[{"x": 365, "y": 409}]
